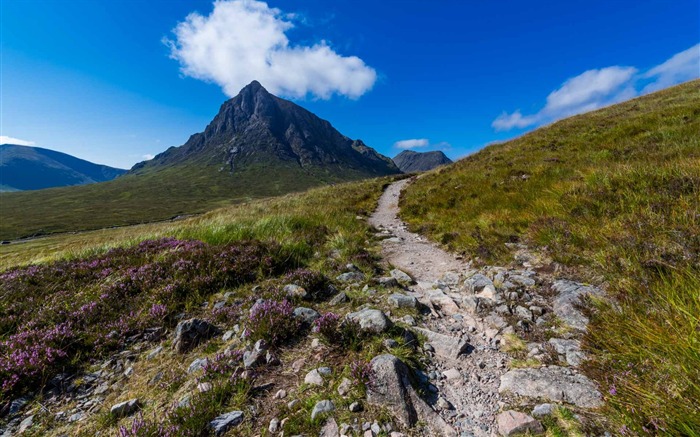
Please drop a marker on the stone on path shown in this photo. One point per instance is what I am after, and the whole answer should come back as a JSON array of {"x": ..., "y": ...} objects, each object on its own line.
[
  {"x": 514, "y": 422},
  {"x": 401, "y": 277},
  {"x": 398, "y": 300},
  {"x": 392, "y": 390},
  {"x": 553, "y": 383},
  {"x": 443, "y": 302},
  {"x": 444, "y": 345}
]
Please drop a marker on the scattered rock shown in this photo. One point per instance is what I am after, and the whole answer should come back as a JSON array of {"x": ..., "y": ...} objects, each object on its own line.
[
  {"x": 281, "y": 394},
  {"x": 339, "y": 298},
  {"x": 197, "y": 364},
  {"x": 255, "y": 356},
  {"x": 228, "y": 335},
  {"x": 452, "y": 374},
  {"x": 355, "y": 407},
  {"x": 307, "y": 315},
  {"x": 350, "y": 277},
  {"x": 388, "y": 282},
  {"x": 444, "y": 404},
  {"x": 565, "y": 304},
  {"x": 125, "y": 408},
  {"x": 513, "y": 422},
  {"x": 25, "y": 424},
  {"x": 344, "y": 387},
  {"x": 444, "y": 345},
  {"x": 370, "y": 320},
  {"x": 401, "y": 277},
  {"x": 482, "y": 286},
  {"x": 553, "y": 383},
  {"x": 542, "y": 410},
  {"x": 321, "y": 407},
  {"x": 189, "y": 333},
  {"x": 522, "y": 281},
  {"x": 330, "y": 429},
  {"x": 154, "y": 353},
  {"x": 224, "y": 422},
  {"x": 274, "y": 425},
  {"x": 443, "y": 302},
  {"x": 313, "y": 378},
  {"x": 293, "y": 290},
  {"x": 398, "y": 300}
]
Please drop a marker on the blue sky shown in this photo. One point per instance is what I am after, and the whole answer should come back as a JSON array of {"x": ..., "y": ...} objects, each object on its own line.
[{"x": 114, "y": 81}]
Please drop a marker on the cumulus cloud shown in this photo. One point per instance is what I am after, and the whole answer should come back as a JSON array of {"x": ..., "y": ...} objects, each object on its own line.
[
  {"x": 595, "y": 89},
  {"x": 148, "y": 156},
  {"x": 414, "y": 143},
  {"x": 245, "y": 40},
  {"x": 10, "y": 140}
]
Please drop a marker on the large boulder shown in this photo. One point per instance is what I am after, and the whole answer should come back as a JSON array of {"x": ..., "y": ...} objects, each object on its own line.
[
  {"x": 391, "y": 389},
  {"x": 401, "y": 277},
  {"x": 189, "y": 333},
  {"x": 444, "y": 345},
  {"x": 515, "y": 423},
  {"x": 371, "y": 321},
  {"x": 125, "y": 408},
  {"x": 552, "y": 383},
  {"x": 322, "y": 407},
  {"x": 398, "y": 300}
]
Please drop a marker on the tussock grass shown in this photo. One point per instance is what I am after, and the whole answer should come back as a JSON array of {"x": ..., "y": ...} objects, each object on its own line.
[{"x": 614, "y": 195}]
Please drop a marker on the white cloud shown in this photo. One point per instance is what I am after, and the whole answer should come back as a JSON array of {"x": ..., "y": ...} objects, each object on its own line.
[
  {"x": 595, "y": 89},
  {"x": 245, "y": 40},
  {"x": 414, "y": 143},
  {"x": 148, "y": 156},
  {"x": 681, "y": 67},
  {"x": 10, "y": 140}
]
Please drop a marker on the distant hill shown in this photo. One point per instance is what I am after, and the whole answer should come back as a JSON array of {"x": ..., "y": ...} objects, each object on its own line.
[
  {"x": 34, "y": 168},
  {"x": 409, "y": 161},
  {"x": 258, "y": 145}
]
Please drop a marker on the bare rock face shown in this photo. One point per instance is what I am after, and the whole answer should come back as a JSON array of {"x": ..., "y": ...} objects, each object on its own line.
[
  {"x": 189, "y": 333},
  {"x": 392, "y": 389},
  {"x": 409, "y": 161},
  {"x": 552, "y": 383},
  {"x": 516, "y": 423}
]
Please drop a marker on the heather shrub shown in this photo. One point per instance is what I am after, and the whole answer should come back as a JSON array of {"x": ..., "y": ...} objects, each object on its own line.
[
  {"x": 315, "y": 283},
  {"x": 361, "y": 374},
  {"x": 337, "y": 332},
  {"x": 51, "y": 313},
  {"x": 272, "y": 321}
]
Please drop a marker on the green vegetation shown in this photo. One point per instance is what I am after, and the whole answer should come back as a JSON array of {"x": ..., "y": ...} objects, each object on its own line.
[
  {"x": 614, "y": 194},
  {"x": 160, "y": 194}
]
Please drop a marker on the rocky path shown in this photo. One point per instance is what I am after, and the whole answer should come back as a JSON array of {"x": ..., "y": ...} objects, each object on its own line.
[
  {"x": 479, "y": 314},
  {"x": 467, "y": 383}
]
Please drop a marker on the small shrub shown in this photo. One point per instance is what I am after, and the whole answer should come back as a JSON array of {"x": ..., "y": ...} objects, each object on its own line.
[{"x": 272, "y": 321}]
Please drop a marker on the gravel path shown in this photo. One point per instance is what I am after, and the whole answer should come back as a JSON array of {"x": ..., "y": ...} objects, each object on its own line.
[{"x": 469, "y": 383}]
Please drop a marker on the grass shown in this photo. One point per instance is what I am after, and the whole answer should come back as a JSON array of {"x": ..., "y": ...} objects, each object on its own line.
[
  {"x": 154, "y": 195},
  {"x": 614, "y": 196}
]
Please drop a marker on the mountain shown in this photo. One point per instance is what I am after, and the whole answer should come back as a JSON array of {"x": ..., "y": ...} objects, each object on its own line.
[
  {"x": 258, "y": 145},
  {"x": 34, "y": 168},
  {"x": 409, "y": 161},
  {"x": 257, "y": 128}
]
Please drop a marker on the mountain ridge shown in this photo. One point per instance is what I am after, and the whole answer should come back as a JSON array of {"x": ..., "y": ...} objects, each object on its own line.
[
  {"x": 34, "y": 168},
  {"x": 410, "y": 161}
]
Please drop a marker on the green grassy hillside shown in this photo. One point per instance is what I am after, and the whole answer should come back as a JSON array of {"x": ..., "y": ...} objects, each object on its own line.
[
  {"x": 614, "y": 195},
  {"x": 155, "y": 195}
]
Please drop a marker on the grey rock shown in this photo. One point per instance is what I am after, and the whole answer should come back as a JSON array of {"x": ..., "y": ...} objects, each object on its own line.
[
  {"x": 228, "y": 335},
  {"x": 370, "y": 320},
  {"x": 306, "y": 315},
  {"x": 521, "y": 280},
  {"x": 189, "y": 333},
  {"x": 125, "y": 408},
  {"x": 569, "y": 297},
  {"x": 514, "y": 422},
  {"x": 313, "y": 378},
  {"x": 274, "y": 425},
  {"x": 444, "y": 404},
  {"x": 444, "y": 345},
  {"x": 409, "y": 320},
  {"x": 344, "y": 387},
  {"x": 350, "y": 277},
  {"x": 339, "y": 298},
  {"x": 25, "y": 424},
  {"x": 388, "y": 282},
  {"x": 321, "y": 407},
  {"x": 451, "y": 279},
  {"x": 390, "y": 343},
  {"x": 330, "y": 429},
  {"x": 553, "y": 383},
  {"x": 481, "y": 285},
  {"x": 542, "y": 410},
  {"x": 293, "y": 290},
  {"x": 225, "y": 422},
  {"x": 398, "y": 300},
  {"x": 392, "y": 390},
  {"x": 523, "y": 313},
  {"x": 197, "y": 364},
  {"x": 256, "y": 356},
  {"x": 154, "y": 353},
  {"x": 443, "y": 302},
  {"x": 401, "y": 277},
  {"x": 325, "y": 371},
  {"x": 293, "y": 403}
]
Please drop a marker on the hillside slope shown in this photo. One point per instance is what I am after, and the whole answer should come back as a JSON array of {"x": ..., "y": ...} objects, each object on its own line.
[
  {"x": 409, "y": 161},
  {"x": 34, "y": 168},
  {"x": 612, "y": 196},
  {"x": 257, "y": 146}
]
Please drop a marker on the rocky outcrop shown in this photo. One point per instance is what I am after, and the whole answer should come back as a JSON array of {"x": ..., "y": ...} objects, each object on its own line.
[
  {"x": 189, "y": 333},
  {"x": 409, "y": 161}
]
